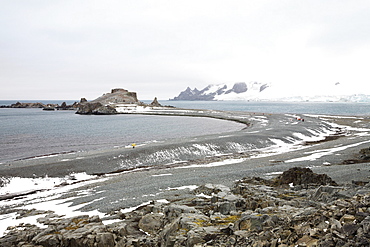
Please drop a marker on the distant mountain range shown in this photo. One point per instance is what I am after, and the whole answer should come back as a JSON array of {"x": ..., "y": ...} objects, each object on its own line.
[{"x": 256, "y": 91}]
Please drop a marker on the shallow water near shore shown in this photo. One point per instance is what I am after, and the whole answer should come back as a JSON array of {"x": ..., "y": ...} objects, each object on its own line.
[{"x": 33, "y": 133}]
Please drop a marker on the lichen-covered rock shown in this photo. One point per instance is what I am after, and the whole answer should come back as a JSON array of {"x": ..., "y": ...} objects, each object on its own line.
[{"x": 151, "y": 223}]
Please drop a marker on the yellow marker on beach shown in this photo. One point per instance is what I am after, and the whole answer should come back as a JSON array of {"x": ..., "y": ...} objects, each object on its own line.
[{"x": 133, "y": 145}]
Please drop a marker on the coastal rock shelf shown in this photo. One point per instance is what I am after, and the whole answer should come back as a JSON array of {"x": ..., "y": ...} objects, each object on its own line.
[{"x": 297, "y": 208}]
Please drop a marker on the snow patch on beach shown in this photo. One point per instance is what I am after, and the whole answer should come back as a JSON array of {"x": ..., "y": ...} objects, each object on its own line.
[
  {"x": 130, "y": 209},
  {"x": 171, "y": 156},
  {"x": 295, "y": 141},
  {"x": 161, "y": 175},
  {"x": 314, "y": 155},
  {"x": 47, "y": 198},
  {"x": 213, "y": 164},
  {"x": 281, "y": 147},
  {"x": 207, "y": 148},
  {"x": 16, "y": 185},
  {"x": 262, "y": 119},
  {"x": 185, "y": 187},
  {"x": 240, "y": 148}
]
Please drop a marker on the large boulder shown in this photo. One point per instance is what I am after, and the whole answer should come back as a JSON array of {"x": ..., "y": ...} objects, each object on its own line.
[{"x": 303, "y": 176}]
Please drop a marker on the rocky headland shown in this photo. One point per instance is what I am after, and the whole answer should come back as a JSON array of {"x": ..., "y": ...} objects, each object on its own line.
[
  {"x": 109, "y": 103},
  {"x": 296, "y": 208}
]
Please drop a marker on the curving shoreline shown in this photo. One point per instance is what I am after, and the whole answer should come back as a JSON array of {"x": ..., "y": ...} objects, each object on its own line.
[
  {"x": 273, "y": 143},
  {"x": 262, "y": 130}
]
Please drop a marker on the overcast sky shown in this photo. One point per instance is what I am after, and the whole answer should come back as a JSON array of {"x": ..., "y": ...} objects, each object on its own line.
[{"x": 70, "y": 49}]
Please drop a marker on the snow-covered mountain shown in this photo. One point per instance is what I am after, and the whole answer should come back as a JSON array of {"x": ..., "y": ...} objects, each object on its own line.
[{"x": 256, "y": 91}]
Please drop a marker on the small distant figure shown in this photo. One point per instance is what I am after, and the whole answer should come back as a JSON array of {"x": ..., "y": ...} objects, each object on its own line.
[{"x": 133, "y": 145}]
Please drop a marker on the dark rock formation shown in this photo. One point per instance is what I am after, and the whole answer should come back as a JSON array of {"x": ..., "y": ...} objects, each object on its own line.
[
  {"x": 64, "y": 106},
  {"x": 155, "y": 103},
  {"x": 263, "y": 87},
  {"x": 251, "y": 213},
  {"x": 117, "y": 95},
  {"x": 46, "y": 107},
  {"x": 49, "y": 108},
  {"x": 303, "y": 176},
  {"x": 365, "y": 154},
  {"x": 27, "y": 105},
  {"x": 96, "y": 109},
  {"x": 239, "y": 87},
  {"x": 101, "y": 105},
  {"x": 195, "y": 94}
]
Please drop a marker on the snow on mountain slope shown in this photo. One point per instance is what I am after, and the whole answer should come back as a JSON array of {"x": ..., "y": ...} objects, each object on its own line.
[{"x": 256, "y": 91}]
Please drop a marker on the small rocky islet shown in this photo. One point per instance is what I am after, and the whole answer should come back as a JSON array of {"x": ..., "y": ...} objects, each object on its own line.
[{"x": 296, "y": 208}]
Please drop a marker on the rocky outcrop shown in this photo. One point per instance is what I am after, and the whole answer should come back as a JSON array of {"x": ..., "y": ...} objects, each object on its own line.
[
  {"x": 239, "y": 87},
  {"x": 195, "y": 94},
  {"x": 117, "y": 95},
  {"x": 254, "y": 212},
  {"x": 63, "y": 106},
  {"x": 103, "y": 104},
  {"x": 155, "y": 103},
  {"x": 365, "y": 154},
  {"x": 302, "y": 176},
  {"x": 27, "y": 105},
  {"x": 95, "y": 108}
]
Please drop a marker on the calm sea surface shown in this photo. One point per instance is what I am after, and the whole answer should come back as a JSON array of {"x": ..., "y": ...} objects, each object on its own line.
[{"x": 32, "y": 132}]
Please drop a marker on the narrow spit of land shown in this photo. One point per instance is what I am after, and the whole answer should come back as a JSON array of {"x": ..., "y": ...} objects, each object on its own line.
[
  {"x": 258, "y": 131},
  {"x": 267, "y": 145}
]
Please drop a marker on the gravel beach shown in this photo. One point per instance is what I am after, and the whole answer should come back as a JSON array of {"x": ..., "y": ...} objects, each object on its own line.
[
  {"x": 266, "y": 145},
  {"x": 121, "y": 179}
]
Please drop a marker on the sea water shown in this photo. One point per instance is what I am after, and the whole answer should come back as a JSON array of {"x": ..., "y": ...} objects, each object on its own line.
[{"x": 26, "y": 133}]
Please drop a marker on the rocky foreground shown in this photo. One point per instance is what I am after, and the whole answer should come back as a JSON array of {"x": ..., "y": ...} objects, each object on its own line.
[{"x": 297, "y": 208}]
